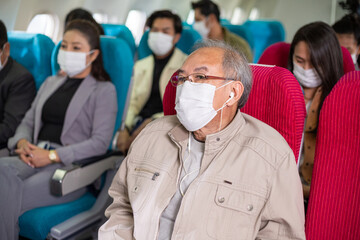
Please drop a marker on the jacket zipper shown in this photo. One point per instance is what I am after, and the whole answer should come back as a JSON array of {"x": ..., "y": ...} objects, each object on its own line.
[
  {"x": 155, "y": 174},
  {"x": 177, "y": 181}
]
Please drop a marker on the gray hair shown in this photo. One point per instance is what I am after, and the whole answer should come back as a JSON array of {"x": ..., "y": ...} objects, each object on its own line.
[{"x": 235, "y": 65}]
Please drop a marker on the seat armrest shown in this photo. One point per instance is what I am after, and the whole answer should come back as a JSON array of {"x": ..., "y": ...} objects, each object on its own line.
[{"x": 82, "y": 173}]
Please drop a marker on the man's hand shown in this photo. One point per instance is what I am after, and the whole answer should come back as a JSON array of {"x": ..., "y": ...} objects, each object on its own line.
[{"x": 122, "y": 140}]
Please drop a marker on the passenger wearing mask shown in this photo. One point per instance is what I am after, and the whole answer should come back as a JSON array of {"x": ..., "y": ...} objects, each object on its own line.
[
  {"x": 207, "y": 23},
  {"x": 316, "y": 61},
  {"x": 71, "y": 118},
  {"x": 211, "y": 172},
  {"x": 152, "y": 74},
  {"x": 348, "y": 32},
  {"x": 17, "y": 91}
]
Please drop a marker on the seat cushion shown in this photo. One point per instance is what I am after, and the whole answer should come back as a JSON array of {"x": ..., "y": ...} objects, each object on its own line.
[{"x": 36, "y": 223}]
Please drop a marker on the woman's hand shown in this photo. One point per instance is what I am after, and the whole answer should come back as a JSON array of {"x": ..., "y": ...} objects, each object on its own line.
[
  {"x": 24, "y": 151},
  {"x": 39, "y": 156}
]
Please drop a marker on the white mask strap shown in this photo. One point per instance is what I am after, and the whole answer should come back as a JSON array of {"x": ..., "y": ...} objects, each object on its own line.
[{"x": 223, "y": 85}]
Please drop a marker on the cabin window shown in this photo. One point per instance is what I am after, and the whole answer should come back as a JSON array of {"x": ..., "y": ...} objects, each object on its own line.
[
  {"x": 100, "y": 17},
  {"x": 47, "y": 24},
  {"x": 238, "y": 16},
  {"x": 135, "y": 21},
  {"x": 254, "y": 14},
  {"x": 191, "y": 17}
]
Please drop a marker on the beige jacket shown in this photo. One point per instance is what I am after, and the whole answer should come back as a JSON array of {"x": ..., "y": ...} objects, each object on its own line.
[
  {"x": 248, "y": 186},
  {"x": 143, "y": 78}
]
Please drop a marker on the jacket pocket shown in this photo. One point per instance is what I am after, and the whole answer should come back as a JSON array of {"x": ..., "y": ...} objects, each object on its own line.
[
  {"x": 234, "y": 213},
  {"x": 141, "y": 181}
]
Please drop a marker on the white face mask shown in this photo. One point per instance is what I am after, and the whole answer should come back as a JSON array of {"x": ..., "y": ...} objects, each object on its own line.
[
  {"x": 160, "y": 43},
  {"x": 201, "y": 28},
  {"x": 307, "y": 78},
  {"x": 194, "y": 104},
  {"x": 354, "y": 58},
  {"x": 73, "y": 63}
]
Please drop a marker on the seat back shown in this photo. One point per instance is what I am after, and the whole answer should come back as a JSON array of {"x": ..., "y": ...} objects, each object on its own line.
[
  {"x": 334, "y": 204},
  {"x": 186, "y": 42},
  {"x": 264, "y": 33},
  {"x": 33, "y": 51},
  {"x": 278, "y": 54},
  {"x": 118, "y": 63},
  {"x": 120, "y": 31},
  {"x": 276, "y": 99},
  {"x": 242, "y": 32}
]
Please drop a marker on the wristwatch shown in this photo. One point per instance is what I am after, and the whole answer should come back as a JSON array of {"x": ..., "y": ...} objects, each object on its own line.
[{"x": 52, "y": 156}]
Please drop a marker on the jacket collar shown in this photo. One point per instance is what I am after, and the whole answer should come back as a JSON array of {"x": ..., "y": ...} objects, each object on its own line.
[
  {"x": 77, "y": 102},
  {"x": 215, "y": 141},
  {"x": 6, "y": 68},
  {"x": 173, "y": 63}
]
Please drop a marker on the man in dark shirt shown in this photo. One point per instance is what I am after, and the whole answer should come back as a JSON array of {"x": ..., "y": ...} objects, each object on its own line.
[
  {"x": 152, "y": 74},
  {"x": 17, "y": 91}
]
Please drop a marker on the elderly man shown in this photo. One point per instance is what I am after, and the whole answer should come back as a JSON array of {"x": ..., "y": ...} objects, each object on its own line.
[{"x": 211, "y": 172}]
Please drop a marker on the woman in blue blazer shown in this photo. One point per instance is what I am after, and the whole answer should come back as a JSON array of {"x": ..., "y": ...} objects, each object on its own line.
[{"x": 72, "y": 117}]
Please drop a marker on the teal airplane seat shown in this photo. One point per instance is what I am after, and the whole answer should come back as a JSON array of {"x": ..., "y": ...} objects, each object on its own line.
[
  {"x": 264, "y": 33},
  {"x": 33, "y": 51},
  {"x": 242, "y": 32},
  {"x": 120, "y": 31}
]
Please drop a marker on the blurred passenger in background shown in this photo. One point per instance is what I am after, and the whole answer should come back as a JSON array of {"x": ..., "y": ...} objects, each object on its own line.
[
  {"x": 207, "y": 23},
  {"x": 80, "y": 13},
  {"x": 316, "y": 61},
  {"x": 71, "y": 118},
  {"x": 348, "y": 32},
  {"x": 152, "y": 74},
  {"x": 17, "y": 91}
]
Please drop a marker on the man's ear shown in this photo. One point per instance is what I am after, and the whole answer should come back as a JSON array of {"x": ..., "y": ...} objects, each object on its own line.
[
  {"x": 237, "y": 88},
  {"x": 176, "y": 38},
  {"x": 211, "y": 20},
  {"x": 6, "y": 49}
]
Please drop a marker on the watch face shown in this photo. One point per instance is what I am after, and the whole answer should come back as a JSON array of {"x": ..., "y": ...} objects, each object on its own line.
[{"x": 52, "y": 156}]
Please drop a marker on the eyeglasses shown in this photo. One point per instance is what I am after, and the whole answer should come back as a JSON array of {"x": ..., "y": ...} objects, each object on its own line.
[{"x": 179, "y": 79}]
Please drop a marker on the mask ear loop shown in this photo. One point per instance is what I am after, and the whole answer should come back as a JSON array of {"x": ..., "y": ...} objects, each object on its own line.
[{"x": 221, "y": 109}]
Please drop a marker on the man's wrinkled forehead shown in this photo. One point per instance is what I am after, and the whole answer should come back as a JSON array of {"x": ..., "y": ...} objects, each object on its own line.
[{"x": 203, "y": 60}]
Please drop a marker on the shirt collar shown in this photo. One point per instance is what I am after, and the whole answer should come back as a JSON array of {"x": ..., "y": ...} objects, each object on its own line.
[{"x": 214, "y": 141}]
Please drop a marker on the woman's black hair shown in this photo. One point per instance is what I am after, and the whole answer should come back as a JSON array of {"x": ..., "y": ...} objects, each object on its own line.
[
  {"x": 91, "y": 33},
  {"x": 325, "y": 54}
]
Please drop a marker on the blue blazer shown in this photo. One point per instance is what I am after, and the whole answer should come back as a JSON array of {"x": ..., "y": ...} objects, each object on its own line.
[{"x": 89, "y": 120}]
